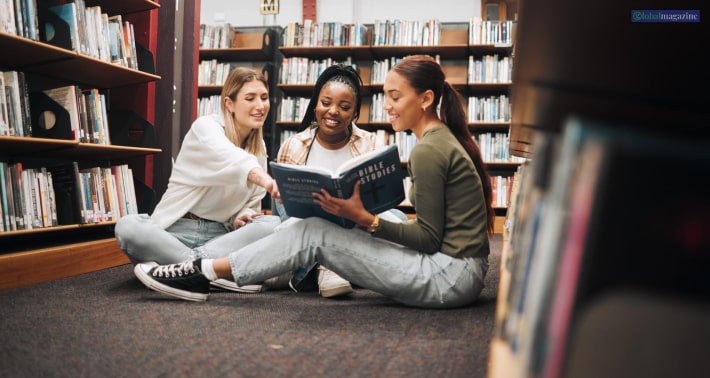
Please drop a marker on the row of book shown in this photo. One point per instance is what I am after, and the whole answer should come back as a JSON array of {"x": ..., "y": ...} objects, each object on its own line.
[
  {"x": 19, "y": 17},
  {"x": 493, "y": 146},
  {"x": 479, "y": 109},
  {"x": 87, "y": 112},
  {"x": 380, "y": 68},
  {"x": 319, "y": 34},
  {"x": 300, "y": 70},
  {"x": 381, "y": 33},
  {"x": 489, "y": 109},
  {"x": 74, "y": 26},
  {"x": 27, "y": 196},
  {"x": 213, "y": 72},
  {"x": 490, "y": 69},
  {"x": 219, "y": 36},
  {"x": 209, "y": 105},
  {"x": 391, "y": 33},
  {"x": 63, "y": 194},
  {"x": 105, "y": 194},
  {"x": 501, "y": 189},
  {"x": 15, "y": 117},
  {"x": 67, "y": 112},
  {"x": 490, "y": 32},
  {"x": 406, "y": 33}
]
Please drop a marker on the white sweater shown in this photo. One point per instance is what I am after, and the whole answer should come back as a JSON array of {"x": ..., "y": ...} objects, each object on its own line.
[{"x": 209, "y": 177}]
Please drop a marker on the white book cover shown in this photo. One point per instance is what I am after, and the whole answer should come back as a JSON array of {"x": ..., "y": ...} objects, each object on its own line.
[
  {"x": 5, "y": 128},
  {"x": 14, "y": 102},
  {"x": 67, "y": 97},
  {"x": 28, "y": 190},
  {"x": 7, "y": 17}
]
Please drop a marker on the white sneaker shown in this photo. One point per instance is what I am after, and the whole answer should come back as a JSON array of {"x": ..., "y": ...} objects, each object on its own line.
[
  {"x": 331, "y": 284},
  {"x": 232, "y": 286}
]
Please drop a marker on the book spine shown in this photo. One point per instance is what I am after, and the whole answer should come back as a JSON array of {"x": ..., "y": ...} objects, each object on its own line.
[
  {"x": 16, "y": 177},
  {"x": 4, "y": 193}
]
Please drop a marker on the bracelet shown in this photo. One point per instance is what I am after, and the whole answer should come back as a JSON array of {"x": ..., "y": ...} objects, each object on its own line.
[{"x": 375, "y": 225}]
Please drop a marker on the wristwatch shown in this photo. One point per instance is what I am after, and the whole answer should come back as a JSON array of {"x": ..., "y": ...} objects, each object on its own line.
[{"x": 375, "y": 225}]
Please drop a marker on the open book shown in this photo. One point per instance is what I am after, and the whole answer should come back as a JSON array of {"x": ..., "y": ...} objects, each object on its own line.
[{"x": 381, "y": 187}]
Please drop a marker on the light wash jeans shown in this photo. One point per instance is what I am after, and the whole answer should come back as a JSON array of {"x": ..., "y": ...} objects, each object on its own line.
[
  {"x": 406, "y": 275},
  {"x": 303, "y": 279},
  {"x": 143, "y": 240}
]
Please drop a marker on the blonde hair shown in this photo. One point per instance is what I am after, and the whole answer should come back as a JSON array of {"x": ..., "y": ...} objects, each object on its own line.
[{"x": 254, "y": 141}]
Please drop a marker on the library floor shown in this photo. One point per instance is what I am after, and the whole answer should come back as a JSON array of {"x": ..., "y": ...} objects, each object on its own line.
[{"x": 107, "y": 323}]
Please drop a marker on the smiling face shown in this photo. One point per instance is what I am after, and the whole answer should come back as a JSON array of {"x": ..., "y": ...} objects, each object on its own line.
[
  {"x": 250, "y": 106},
  {"x": 402, "y": 103},
  {"x": 335, "y": 109}
]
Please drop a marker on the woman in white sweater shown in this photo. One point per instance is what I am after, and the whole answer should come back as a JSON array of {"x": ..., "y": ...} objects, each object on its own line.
[{"x": 213, "y": 201}]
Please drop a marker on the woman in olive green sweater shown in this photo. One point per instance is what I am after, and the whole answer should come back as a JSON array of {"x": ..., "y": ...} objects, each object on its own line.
[{"x": 438, "y": 260}]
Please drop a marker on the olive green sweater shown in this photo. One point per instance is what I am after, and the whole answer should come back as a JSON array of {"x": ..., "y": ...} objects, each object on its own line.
[{"x": 448, "y": 199}]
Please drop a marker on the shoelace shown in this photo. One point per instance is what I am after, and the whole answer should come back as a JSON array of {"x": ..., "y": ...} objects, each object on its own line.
[{"x": 173, "y": 270}]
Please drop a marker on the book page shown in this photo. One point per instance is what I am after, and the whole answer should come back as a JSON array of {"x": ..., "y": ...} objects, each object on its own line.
[
  {"x": 357, "y": 160},
  {"x": 306, "y": 168}
]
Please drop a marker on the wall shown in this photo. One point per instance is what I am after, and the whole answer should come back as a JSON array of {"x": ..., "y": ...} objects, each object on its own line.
[{"x": 246, "y": 12}]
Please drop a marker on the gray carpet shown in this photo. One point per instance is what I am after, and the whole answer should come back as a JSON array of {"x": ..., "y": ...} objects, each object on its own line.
[{"x": 106, "y": 324}]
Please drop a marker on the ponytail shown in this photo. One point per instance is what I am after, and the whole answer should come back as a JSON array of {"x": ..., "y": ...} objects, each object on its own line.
[{"x": 452, "y": 114}]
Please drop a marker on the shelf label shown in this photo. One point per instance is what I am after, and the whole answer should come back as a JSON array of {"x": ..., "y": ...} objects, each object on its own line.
[{"x": 269, "y": 6}]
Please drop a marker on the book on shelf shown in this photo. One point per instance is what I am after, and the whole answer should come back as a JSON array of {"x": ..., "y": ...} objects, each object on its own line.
[
  {"x": 7, "y": 201},
  {"x": 7, "y": 17},
  {"x": 25, "y": 103},
  {"x": 379, "y": 172},
  {"x": 14, "y": 91},
  {"x": 16, "y": 187},
  {"x": 29, "y": 19},
  {"x": 5, "y": 127},
  {"x": 117, "y": 42},
  {"x": 68, "y": 98},
  {"x": 69, "y": 14}
]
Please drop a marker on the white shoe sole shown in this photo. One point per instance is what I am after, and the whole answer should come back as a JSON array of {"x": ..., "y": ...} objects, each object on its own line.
[
  {"x": 232, "y": 286},
  {"x": 335, "y": 291},
  {"x": 152, "y": 284}
]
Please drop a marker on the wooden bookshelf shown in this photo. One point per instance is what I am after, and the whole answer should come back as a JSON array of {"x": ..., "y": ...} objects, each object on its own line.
[
  {"x": 42, "y": 265},
  {"x": 453, "y": 49},
  {"x": 604, "y": 312},
  {"x": 30, "y": 256}
]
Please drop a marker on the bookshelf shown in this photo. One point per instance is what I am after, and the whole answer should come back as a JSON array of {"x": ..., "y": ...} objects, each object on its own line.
[
  {"x": 29, "y": 256},
  {"x": 598, "y": 276},
  {"x": 457, "y": 51}
]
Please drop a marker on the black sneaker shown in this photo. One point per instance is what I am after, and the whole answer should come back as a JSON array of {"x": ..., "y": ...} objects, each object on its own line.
[{"x": 184, "y": 280}]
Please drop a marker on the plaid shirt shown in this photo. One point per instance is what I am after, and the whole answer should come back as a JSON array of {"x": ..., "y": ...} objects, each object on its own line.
[{"x": 295, "y": 149}]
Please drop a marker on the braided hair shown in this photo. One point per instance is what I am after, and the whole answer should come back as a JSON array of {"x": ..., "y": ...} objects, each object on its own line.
[{"x": 336, "y": 73}]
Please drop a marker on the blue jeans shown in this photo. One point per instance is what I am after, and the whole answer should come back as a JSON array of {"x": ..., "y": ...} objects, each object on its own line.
[
  {"x": 142, "y": 239},
  {"x": 403, "y": 274}
]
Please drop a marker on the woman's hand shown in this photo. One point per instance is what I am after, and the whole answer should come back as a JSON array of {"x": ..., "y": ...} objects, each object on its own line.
[
  {"x": 260, "y": 177},
  {"x": 244, "y": 219},
  {"x": 273, "y": 190},
  {"x": 351, "y": 208}
]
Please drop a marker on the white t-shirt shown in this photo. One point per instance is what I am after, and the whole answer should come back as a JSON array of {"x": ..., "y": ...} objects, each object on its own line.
[{"x": 329, "y": 159}]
